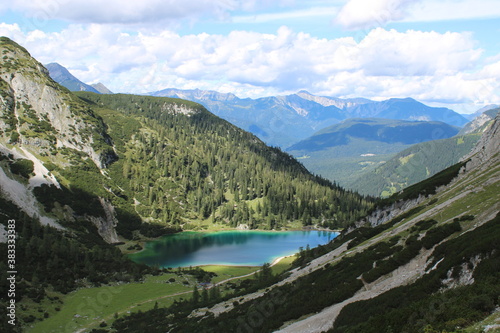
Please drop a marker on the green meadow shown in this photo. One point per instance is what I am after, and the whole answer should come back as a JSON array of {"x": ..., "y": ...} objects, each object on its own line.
[{"x": 88, "y": 308}]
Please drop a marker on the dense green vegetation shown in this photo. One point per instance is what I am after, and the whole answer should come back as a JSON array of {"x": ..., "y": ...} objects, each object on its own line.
[
  {"x": 420, "y": 306},
  {"x": 414, "y": 164},
  {"x": 52, "y": 261},
  {"x": 175, "y": 168}
]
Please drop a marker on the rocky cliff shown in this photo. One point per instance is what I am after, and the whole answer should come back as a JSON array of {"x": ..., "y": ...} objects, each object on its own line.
[
  {"x": 486, "y": 151},
  {"x": 43, "y": 117},
  {"x": 43, "y": 123}
]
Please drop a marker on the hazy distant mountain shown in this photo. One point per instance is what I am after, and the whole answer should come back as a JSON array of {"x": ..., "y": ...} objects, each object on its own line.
[
  {"x": 346, "y": 151},
  {"x": 423, "y": 160},
  {"x": 481, "y": 111},
  {"x": 101, "y": 88},
  {"x": 406, "y": 109},
  {"x": 375, "y": 129},
  {"x": 285, "y": 120},
  {"x": 62, "y": 76},
  {"x": 277, "y": 120}
]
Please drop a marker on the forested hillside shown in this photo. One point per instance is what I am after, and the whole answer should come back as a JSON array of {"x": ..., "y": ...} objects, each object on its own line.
[
  {"x": 178, "y": 168},
  {"x": 150, "y": 165},
  {"x": 414, "y": 164}
]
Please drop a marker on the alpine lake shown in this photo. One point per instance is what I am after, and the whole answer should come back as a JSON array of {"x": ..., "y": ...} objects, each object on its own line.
[{"x": 237, "y": 248}]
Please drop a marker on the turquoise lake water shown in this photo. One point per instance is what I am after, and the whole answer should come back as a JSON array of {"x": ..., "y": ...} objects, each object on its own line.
[{"x": 244, "y": 248}]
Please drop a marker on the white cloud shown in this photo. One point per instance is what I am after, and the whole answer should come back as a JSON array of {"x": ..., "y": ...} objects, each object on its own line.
[
  {"x": 367, "y": 14},
  {"x": 385, "y": 63},
  {"x": 417, "y": 53},
  {"x": 130, "y": 12},
  {"x": 361, "y": 14},
  {"x": 444, "y": 10}
]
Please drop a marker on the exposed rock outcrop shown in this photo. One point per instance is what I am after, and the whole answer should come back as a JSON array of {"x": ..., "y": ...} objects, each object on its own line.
[
  {"x": 385, "y": 214},
  {"x": 106, "y": 225},
  {"x": 486, "y": 151},
  {"x": 40, "y": 114}
]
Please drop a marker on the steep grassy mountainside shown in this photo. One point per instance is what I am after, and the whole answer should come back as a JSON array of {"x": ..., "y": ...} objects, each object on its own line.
[
  {"x": 428, "y": 256},
  {"x": 413, "y": 164},
  {"x": 355, "y": 147}
]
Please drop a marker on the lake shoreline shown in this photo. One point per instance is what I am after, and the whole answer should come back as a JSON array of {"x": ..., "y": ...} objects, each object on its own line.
[
  {"x": 243, "y": 248},
  {"x": 143, "y": 241}
]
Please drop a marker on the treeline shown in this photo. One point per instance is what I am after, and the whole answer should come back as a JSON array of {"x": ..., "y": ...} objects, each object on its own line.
[
  {"x": 174, "y": 166},
  {"x": 67, "y": 260}
]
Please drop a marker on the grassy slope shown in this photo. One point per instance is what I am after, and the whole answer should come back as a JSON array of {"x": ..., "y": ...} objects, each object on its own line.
[{"x": 95, "y": 305}]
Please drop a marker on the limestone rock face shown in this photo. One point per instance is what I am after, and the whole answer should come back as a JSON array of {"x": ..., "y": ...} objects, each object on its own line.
[
  {"x": 486, "y": 151},
  {"x": 106, "y": 225},
  {"x": 39, "y": 114},
  {"x": 45, "y": 123}
]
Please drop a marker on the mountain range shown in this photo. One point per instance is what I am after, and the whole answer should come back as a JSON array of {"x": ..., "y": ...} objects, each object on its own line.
[
  {"x": 285, "y": 120},
  {"x": 86, "y": 177},
  {"x": 422, "y": 160}
]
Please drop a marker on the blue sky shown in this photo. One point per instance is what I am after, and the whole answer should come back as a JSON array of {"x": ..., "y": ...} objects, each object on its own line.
[{"x": 444, "y": 52}]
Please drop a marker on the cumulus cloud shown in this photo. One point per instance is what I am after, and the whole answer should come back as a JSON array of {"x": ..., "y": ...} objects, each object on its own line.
[
  {"x": 416, "y": 53},
  {"x": 362, "y": 14},
  {"x": 384, "y": 64}
]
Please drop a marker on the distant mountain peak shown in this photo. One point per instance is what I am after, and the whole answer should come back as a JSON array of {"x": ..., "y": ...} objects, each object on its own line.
[
  {"x": 195, "y": 94},
  {"x": 62, "y": 75},
  {"x": 329, "y": 101},
  {"x": 101, "y": 88}
]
